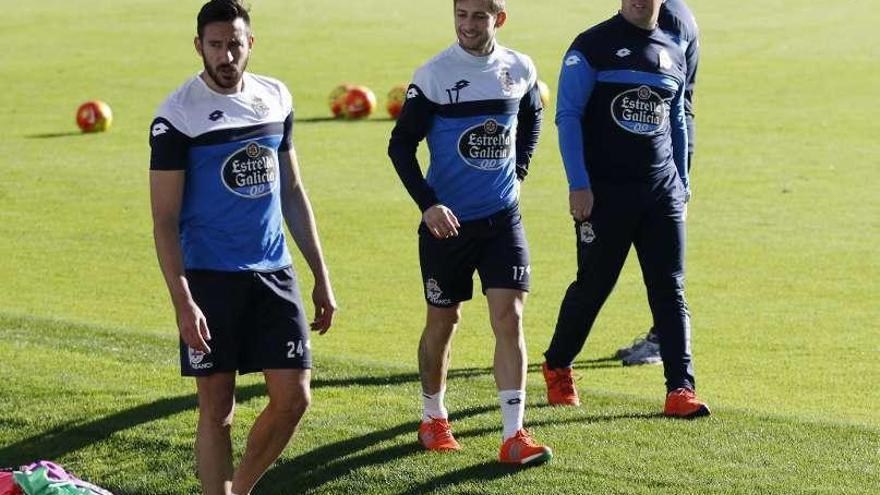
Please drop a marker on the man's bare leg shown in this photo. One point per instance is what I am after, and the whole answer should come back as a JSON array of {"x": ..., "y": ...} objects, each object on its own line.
[{"x": 289, "y": 397}]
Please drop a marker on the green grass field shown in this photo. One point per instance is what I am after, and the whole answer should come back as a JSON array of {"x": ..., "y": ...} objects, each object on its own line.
[{"x": 782, "y": 261}]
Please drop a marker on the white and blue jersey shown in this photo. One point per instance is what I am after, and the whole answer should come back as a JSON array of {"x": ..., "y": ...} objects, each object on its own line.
[
  {"x": 481, "y": 118},
  {"x": 228, "y": 145},
  {"x": 620, "y": 110}
]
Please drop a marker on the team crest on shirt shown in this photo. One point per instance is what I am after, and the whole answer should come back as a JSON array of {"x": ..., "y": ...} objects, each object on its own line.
[
  {"x": 260, "y": 107},
  {"x": 486, "y": 146},
  {"x": 664, "y": 60},
  {"x": 250, "y": 172},
  {"x": 506, "y": 80},
  {"x": 640, "y": 111}
]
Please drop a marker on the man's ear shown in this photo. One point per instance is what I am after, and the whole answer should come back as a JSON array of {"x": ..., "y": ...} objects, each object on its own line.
[
  {"x": 500, "y": 19},
  {"x": 197, "y": 43}
]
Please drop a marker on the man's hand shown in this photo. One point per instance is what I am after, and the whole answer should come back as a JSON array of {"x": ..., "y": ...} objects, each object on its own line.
[
  {"x": 193, "y": 326},
  {"x": 441, "y": 222},
  {"x": 580, "y": 202},
  {"x": 325, "y": 307}
]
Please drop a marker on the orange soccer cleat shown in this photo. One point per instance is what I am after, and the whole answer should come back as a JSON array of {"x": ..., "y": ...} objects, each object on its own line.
[
  {"x": 523, "y": 449},
  {"x": 436, "y": 434},
  {"x": 560, "y": 386},
  {"x": 683, "y": 403}
]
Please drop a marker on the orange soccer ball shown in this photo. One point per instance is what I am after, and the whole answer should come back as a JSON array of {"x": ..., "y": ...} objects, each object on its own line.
[
  {"x": 94, "y": 116},
  {"x": 396, "y": 99},
  {"x": 337, "y": 99},
  {"x": 359, "y": 103}
]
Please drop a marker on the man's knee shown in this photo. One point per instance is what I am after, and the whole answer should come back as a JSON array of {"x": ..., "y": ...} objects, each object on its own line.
[
  {"x": 441, "y": 322},
  {"x": 666, "y": 290},
  {"x": 216, "y": 394},
  {"x": 291, "y": 405},
  {"x": 506, "y": 312},
  {"x": 508, "y": 316},
  {"x": 217, "y": 412}
]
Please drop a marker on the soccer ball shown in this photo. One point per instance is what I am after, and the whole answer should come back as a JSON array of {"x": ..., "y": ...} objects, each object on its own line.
[
  {"x": 396, "y": 98},
  {"x": 544, "y": 90},
  {"x": 359, "y": 103},
  {"x": 94, "y": 116},
  {"x": 337, "y": 99}
]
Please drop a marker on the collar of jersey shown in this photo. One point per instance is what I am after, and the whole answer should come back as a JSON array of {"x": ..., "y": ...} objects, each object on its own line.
[
  {"x": 474, "y": 60},
  {"x": 633, "y": 28}
]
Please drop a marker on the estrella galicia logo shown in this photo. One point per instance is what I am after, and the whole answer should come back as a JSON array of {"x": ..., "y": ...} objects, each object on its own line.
[
  {"x": 455, "y": 92},
  {"x": 486, "y": 146},
  {"x": 251, "y": 172},
  {"x": 215, "y": 115},
  {"x": 640, "y": 111}
]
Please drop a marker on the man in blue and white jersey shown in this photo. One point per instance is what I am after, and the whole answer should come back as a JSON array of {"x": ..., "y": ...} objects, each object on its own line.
[
  {"x": 676, "y": 19},
  {"x": 478, "y": 106},
  {"x": 623, "y": 139},
  {"x": 223, "y": 180}
]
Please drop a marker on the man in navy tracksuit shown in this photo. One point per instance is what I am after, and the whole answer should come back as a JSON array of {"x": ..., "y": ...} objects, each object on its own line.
[
  {"x": 678, "y": 21},
  {"x": 623, "y": 138}
]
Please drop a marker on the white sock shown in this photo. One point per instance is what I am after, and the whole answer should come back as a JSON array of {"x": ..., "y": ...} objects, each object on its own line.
[
  {"x": 513, "y": 406},
  {"x": 433, "y": 407}
]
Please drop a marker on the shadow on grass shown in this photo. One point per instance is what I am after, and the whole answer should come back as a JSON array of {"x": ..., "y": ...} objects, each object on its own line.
[
  {"x": 325, "y": 464},
  {"x": 314, "y": 468},
  {"x": 51, "y": 135},
  {"x": 69, "y": 438},
  {"x": 402, "y": 378}
]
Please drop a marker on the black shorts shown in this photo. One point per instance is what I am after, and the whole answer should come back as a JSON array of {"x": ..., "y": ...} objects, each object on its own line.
[
  {"x": 256, "y": 322},
  {"x": 495, "y": 247}
]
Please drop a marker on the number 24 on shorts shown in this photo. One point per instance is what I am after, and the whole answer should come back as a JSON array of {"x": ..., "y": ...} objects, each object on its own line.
[{"x": 294, "y": 349}]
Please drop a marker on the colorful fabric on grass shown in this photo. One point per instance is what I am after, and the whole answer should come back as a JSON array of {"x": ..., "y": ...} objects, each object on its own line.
[
  {"x": 48, "y": 478},
  {"x": 7, "y": 485}
]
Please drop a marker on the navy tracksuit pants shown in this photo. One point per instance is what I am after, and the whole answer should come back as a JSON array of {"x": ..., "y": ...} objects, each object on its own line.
[{"x": 650, "y": 217}]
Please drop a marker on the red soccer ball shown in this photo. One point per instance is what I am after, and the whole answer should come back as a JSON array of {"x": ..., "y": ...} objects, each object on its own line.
[
  {"x": 336, "y": 100},
  {"x": 94, "y": 116},
  {"x": 359, "y": 103}
]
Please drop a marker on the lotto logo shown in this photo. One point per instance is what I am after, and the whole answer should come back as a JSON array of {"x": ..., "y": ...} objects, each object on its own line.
[
  {"x": 572, "y": 60},
  {"x": 159, "y": 129}
]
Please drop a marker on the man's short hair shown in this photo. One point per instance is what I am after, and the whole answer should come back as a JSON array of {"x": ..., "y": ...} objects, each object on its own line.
[
  {"x": 221, "y": 11},
  {"x": 495, "y": 6}
]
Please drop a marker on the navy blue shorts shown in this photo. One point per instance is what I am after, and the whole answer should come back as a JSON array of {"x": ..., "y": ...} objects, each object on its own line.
[
  {"x": 495, "y": 247},
  {"x": 256, "y": 322}
]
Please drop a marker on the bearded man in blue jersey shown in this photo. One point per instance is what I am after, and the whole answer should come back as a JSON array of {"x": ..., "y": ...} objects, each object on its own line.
[
  {"x": 478, "y": 106},
  {"x": 624, "y": 144},
  {"x": 223, "y": 180}
]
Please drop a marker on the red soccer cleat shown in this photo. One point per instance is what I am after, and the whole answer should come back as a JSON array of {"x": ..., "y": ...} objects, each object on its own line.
[
  {"x": 683, "y": 403},
  {"x": 522, "y": 449},
  {"x": 436, "y": 434},
  {"x": 560, "y": 386}
]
